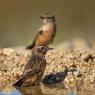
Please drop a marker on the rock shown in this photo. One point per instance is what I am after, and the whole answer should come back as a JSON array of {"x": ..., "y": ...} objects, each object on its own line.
[
  {"x": 80, "y": 64},
  {"x": 11, "y": 65}
]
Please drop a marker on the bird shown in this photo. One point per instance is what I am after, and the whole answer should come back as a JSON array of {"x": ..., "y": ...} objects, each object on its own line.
[
  {"x": 46, "y": 32},
  {"x": 34, "y": 68}
]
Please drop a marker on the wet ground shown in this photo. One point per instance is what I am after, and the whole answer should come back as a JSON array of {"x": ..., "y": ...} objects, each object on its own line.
[{"x": 49, "y": 90}]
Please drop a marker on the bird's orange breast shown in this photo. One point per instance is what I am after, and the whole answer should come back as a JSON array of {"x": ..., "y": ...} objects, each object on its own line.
[
  {"x": 44, "y": 39},
  {"x": 47, "y": 36}
]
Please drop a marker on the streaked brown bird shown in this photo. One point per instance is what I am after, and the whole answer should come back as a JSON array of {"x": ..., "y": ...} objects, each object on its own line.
[
  {"x": 46, "y": 33},
  {"x": 35, "y": 67}
]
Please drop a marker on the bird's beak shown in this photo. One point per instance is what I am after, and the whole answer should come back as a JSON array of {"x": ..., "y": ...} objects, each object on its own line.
[{"x": 50, "y": 48}]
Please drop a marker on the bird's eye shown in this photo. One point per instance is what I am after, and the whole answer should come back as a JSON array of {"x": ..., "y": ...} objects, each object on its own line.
[{"x": 42, "y": 47}]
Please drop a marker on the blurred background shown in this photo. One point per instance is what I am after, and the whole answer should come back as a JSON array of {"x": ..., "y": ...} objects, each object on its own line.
[{"x": 19, "y": 20}]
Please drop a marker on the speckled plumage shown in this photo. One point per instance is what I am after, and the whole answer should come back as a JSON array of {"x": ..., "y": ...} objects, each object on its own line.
[{"x": 34, "y": 69}]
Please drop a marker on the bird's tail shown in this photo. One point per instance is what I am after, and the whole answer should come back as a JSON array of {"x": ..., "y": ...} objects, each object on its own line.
[
  {"x": 18, "y": 83},
  {"x": 31, "y": 46}
]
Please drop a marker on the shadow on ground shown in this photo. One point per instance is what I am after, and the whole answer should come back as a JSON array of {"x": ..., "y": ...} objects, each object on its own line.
[{"x": 55, "y": 78}]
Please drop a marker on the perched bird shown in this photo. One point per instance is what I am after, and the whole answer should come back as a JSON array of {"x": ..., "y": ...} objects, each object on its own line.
[
  {"x": 46, "y": 33},
  {"x": 35, "y": 67}
]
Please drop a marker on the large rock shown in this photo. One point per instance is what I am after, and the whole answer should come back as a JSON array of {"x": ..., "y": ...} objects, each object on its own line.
[{"x": 79, "y": 64}]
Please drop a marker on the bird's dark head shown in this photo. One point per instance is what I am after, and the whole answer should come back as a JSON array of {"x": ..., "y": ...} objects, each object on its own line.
[
  {"x": 41, "y": 50},
  {"x": 47, "y": 18}
]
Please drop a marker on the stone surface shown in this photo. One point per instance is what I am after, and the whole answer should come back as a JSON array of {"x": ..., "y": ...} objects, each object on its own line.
[{"x": 79, "y": 63}]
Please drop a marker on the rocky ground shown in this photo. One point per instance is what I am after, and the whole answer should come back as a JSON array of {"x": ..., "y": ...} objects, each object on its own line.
[{"x": 72, "y": 64}]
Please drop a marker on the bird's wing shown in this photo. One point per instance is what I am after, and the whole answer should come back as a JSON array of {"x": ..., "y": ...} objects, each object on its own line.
[
  {"x": 35, "y": 62},
  {"x": 25, "y": 76},
  {"x": 40, "y": 31},
  {"x": 33, "y": 43},
  {"x": 30, "y": 73}
]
